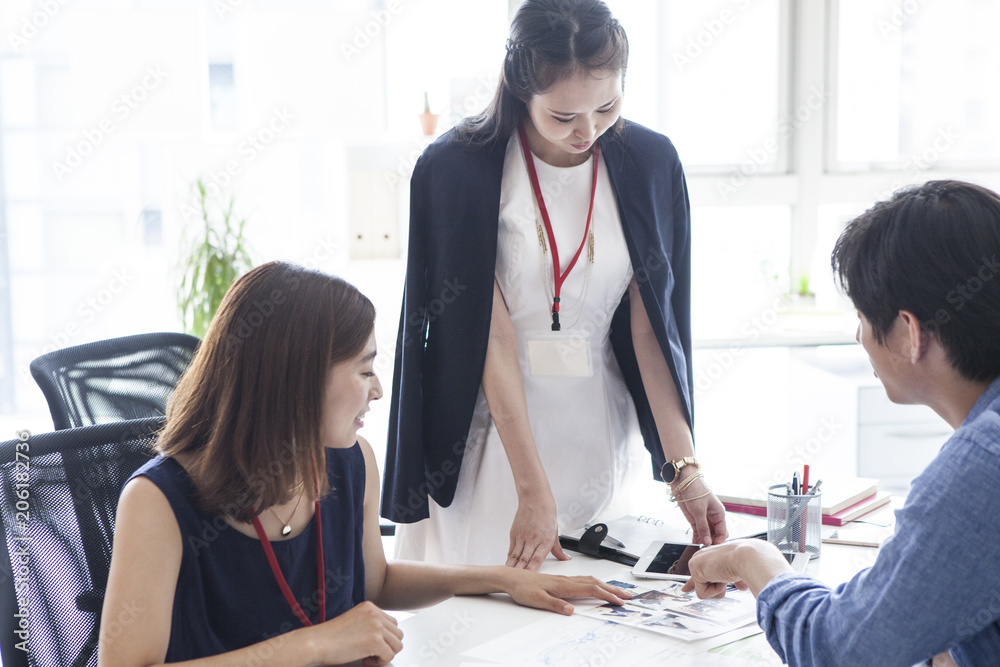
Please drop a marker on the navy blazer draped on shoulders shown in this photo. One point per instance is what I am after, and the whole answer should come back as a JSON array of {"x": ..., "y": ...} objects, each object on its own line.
[{"x": 447, "y": 300}]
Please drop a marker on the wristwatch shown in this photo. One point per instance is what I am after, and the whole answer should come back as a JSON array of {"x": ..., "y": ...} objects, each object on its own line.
[{"x": 671, "y": 469}]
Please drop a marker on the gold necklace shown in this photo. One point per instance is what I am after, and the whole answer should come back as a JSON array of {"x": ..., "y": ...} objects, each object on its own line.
[{"x": 286, "y": 527}]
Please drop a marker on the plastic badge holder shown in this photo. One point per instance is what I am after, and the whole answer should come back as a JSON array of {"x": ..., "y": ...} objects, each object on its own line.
[{"x": 794, "y": 521}]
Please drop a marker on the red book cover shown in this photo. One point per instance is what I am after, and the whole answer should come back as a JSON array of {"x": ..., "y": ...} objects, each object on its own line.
[{"x": 845, "y": 515}]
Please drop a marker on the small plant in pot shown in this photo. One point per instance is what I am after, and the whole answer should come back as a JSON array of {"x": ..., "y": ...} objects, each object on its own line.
[
  {"x": 428, "y": 120},
  {"x": 805, "y": 296}
]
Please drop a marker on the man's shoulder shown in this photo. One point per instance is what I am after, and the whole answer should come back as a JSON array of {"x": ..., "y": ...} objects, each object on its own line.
[{"x": 983, "y": 429}]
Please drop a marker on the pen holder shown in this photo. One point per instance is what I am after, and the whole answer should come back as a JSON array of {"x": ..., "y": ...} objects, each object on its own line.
[{"x": 793, "y": 521}]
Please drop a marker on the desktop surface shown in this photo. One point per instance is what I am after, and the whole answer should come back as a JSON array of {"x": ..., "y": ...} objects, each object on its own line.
[{"x": 443, "y": 635}]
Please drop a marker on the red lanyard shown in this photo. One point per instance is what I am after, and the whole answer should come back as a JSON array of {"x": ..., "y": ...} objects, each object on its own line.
[
  {"x": 280, "y": 578},
  {"x": 557, "y": 277}
]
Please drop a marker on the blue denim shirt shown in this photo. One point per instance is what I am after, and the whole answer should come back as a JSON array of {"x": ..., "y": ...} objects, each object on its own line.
[{"x": 935, "y": 584}]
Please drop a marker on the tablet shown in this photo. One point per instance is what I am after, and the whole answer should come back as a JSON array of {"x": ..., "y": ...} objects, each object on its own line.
[{"x": 668, "y": 560}]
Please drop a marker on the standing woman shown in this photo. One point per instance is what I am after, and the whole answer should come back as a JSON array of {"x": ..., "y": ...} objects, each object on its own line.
[{"x": 546, "y": 313}]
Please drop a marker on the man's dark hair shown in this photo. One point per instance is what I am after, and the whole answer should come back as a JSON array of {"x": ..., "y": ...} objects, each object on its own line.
[{"x": 934, "y": 250}]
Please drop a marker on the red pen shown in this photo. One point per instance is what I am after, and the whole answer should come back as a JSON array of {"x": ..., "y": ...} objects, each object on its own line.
[{"x": 804, "y": 522}]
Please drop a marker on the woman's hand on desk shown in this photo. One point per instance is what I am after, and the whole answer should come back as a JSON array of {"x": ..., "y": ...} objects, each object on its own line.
[
  {"x": 547, "y": 591},
  {"x": 534, "y": 532},
  {"x": 705, "y": 513},
  {"x": 364, "y": 633}
]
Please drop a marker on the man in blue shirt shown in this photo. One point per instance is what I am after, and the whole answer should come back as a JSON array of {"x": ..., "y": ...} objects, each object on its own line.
[{"x": 923, "y": 271}]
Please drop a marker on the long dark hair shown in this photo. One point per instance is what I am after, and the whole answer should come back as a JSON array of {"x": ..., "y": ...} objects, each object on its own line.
[
  {"x": 248, "y": 411},
  {"x": 549, "y": 40}
]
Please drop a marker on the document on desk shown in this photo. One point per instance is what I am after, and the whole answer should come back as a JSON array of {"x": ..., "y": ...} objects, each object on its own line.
[
  {"x": 568, "y": 641},
  {"x": 664, "y": 609}
]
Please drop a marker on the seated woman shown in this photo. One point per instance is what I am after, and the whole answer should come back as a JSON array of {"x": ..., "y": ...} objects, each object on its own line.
[
  {"x": 253, "y": 538},
  {"x": 922, "y": 271}
]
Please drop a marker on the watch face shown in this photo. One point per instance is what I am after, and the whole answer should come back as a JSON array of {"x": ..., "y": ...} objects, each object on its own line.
[{"x": 669, "y": 472}]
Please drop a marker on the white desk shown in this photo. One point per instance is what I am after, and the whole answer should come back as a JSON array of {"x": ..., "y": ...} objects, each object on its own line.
[{"x": 438, "y": 636}]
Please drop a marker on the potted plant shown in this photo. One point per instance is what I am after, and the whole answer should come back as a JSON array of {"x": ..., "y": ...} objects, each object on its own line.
[
  {"x": 428, "y": 120},
  {"x": 211, "y": 259},
  {"x": 805, "y": 296}
]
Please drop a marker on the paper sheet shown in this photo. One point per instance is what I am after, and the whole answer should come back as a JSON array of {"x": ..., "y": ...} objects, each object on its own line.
[{"x": 570, "y": 641}]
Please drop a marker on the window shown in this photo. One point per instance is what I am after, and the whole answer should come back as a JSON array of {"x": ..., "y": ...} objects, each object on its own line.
[
  {"x": 790, "y": 117},
  {"x": 222, "y": 96},
  {"x": 906, "y": 100}
]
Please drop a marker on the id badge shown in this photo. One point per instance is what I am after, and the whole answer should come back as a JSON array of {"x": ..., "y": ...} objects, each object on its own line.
[{"x": 559, "y": 353}]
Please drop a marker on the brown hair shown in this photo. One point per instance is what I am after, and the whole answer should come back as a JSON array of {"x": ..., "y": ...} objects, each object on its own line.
[{"x": 247, "y": 413}]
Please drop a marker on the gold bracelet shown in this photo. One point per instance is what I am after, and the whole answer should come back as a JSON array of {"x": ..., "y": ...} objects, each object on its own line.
[
  {"x": 684, "y": 500},
  {"x": 675, "y": 493},
  {"x": 686, "y": 483}
]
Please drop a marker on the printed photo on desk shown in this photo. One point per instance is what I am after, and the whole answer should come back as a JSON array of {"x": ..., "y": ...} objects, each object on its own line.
[{"x": 664, "y": 609}]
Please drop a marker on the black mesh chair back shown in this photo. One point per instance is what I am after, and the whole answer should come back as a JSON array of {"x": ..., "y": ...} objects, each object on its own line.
[
  {"x": 58, "y": 500},
  {"x": 113, "y": 380}
]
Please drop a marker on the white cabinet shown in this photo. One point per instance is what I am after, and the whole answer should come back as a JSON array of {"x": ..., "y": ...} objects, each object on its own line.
[{"x": 895, "y": 442}]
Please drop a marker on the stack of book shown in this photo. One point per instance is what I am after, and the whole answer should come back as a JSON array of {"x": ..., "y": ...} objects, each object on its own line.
[{"x": 843, "y": 500}]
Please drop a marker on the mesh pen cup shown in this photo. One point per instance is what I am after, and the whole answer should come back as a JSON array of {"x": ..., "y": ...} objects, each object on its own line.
[{"x": 794, "y": 520}]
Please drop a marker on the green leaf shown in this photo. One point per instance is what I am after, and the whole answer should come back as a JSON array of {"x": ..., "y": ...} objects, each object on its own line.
[{"x": 212, "y": 257}]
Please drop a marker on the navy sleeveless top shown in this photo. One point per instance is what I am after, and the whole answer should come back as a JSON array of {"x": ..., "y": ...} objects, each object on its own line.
[{"x": 227, "y": 596}]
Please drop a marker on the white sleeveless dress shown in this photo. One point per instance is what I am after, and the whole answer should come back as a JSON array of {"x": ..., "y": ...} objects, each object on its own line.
[{"x": 585, "y": 428}]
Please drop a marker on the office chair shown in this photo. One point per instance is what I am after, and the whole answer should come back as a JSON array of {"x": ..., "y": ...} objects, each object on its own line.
[
  {"x": 113, "y": 380},
  {"x": 58, "y": 500}
]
